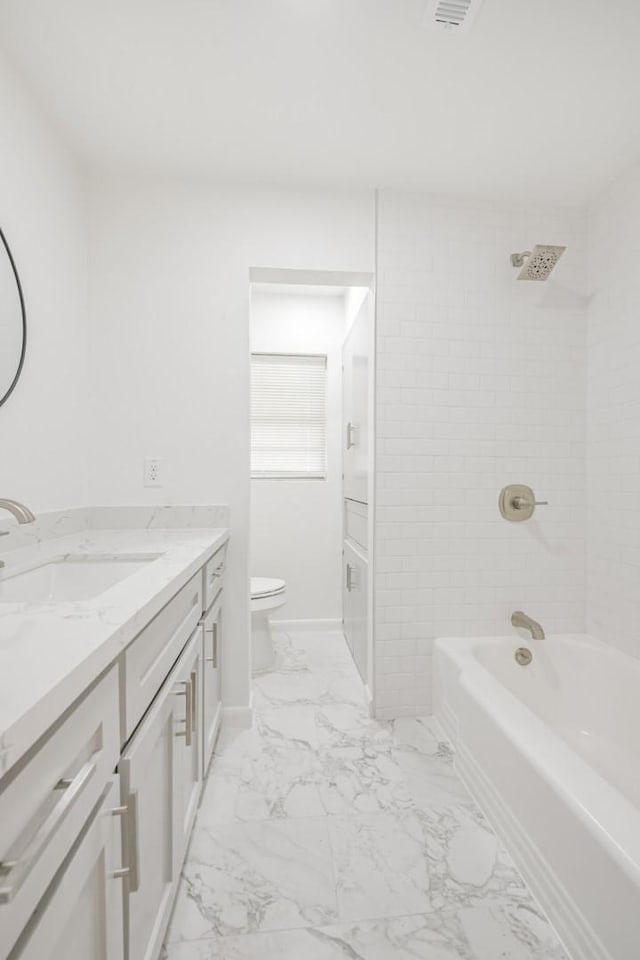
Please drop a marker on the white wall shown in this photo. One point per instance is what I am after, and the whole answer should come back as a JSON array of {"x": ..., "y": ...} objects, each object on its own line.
[
  {"x": 296, "y": 525},
  {"x": 480, "y": 383},
  {"x": 613, "y": 404},
  {"x": 169, "y": 298},
  {"x": 43, "y": 423}
]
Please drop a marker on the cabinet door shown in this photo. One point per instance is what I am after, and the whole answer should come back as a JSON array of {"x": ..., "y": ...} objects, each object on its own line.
[
  {"x": 80, "y": 915},
  {"x": 153, "y": 773},
  {"x": 355, "y": 387},
  {"x": 188, "y": 759},
  {"x": 355, "y": 590},
  {"x": 211, "y": 677}
]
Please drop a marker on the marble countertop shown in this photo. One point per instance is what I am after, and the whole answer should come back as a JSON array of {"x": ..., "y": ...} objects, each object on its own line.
[{"x": 50, "y": 652}]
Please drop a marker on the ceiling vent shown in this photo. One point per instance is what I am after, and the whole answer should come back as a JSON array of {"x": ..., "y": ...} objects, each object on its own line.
[{"x": 452, "y": 15}]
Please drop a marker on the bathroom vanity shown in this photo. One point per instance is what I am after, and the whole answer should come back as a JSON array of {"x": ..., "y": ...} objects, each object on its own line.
[{"x": 110, "y": 702}]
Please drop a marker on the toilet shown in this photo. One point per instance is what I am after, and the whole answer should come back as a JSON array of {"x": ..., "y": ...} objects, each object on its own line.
[{"x": 267, "y": 595}]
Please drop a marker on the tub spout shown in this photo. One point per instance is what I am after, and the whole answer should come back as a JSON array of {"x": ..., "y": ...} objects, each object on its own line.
[{"x": 520, "y": 619}]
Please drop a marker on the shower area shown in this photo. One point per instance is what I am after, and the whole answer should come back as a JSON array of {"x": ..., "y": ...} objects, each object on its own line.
[{"x": 481, "y": 382}]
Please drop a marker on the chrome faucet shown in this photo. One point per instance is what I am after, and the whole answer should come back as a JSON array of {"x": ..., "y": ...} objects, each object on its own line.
[
  {"x": 520, "y": 619},
  {"x": 19, "y": 511}
]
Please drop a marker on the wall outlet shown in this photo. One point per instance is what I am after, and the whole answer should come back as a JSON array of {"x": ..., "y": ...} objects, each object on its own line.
[{"x": 153, "y": 472}]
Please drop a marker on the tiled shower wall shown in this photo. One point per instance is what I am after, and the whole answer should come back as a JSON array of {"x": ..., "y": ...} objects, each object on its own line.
[
  {"x": 480, "y": 383},
  {"x": 613, "y": 415}
]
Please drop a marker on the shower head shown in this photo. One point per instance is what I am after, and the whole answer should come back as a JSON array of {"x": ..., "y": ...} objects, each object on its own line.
[{"x": 538, "y": 263}]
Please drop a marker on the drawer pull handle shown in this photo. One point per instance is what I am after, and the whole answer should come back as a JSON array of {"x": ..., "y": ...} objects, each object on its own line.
[
  {"x": 194, "y": 701},
  {"x": 213, "y": 659},
  {"x": 351, "y": 436},
  {"x": 187, "y": 693},
  {"x": 16, "y": 866},
  {"x": 130, "y": 814},
  {"x": 351, "y": 577},
  {"x": 217, "y": 573}
]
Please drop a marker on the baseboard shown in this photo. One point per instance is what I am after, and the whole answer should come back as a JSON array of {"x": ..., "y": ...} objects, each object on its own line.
[
  {"x": 239, "y": 717},
  {"x": 312, "y": 626}
]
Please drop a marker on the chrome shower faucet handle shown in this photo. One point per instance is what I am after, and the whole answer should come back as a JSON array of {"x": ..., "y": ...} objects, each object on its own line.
[{"x": 517, "y": 502}]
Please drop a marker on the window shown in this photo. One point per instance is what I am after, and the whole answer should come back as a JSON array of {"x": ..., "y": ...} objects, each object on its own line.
[{"x": 288, "y": 416}]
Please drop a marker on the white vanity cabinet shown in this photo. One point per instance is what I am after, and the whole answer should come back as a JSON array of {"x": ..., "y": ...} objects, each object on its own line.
[
  {"x": 95, "y": 820},
  {"x": 160, "y": 773},
  {"x": 80, "y": 918}
]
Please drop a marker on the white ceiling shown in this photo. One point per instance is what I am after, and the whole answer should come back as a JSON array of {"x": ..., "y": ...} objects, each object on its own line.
[{"x": 539, "y": 99}]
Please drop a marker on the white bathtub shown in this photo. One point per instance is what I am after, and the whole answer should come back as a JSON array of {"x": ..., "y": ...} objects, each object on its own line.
[{"x": 551, "y": 751}]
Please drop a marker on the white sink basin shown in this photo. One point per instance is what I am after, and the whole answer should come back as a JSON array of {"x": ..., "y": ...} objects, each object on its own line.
[{"x": 70, "y": 578}]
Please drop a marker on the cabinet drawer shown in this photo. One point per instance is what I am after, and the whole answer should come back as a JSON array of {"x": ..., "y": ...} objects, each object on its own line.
[
  {"x": 45, "y": 805},
  {"x": 356, "y": 523},
  {"x": 213, "y": 576},
  {"x": 150, "y": 657}
]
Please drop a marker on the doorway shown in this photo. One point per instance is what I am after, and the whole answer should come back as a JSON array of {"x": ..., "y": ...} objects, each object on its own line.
[{"x": 312, "y": 337}]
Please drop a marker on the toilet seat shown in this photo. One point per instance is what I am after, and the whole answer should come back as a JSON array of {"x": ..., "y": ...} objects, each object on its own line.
[{"x": 264, "y": 587}]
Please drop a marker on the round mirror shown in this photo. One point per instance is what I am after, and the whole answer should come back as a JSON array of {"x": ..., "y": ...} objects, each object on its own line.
[{"x": 13, "y": 322}]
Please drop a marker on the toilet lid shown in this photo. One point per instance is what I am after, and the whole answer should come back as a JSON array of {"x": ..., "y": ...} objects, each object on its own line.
[{"x": 265, "y": 587}]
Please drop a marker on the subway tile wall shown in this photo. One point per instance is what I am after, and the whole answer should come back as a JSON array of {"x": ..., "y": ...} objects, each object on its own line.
[
  {"x": 480, "y": 383},
  {"x": 613, "y": 416}
]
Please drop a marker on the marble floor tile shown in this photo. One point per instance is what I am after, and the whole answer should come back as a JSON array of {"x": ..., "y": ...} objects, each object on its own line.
[
  {"x": 208, "y": 949},
  {"x": 399, "y": 863},
  {"x": 422, "y": 735},
  {"x": 241, "y": 878},
  {"x": 349, "y": 724},
  {"x": 467, "y": 864},
  {"x": 380, "y": 866},
  {"x": 431, "y": 780},
  {"x": 312, "y": 651},
  {"x": 308, "y": 688},
  {"x": 271, "y": 783},
  {"x": 288, "y": 726},
  {"x": 359, "y": 772},
  {"x": 513, "y": 931},
  {"x": 426, "y": 760},
  {"x": 357, "y": 779}
]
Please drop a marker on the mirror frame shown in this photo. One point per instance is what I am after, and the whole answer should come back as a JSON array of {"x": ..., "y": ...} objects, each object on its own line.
[{"x": 13, "y": 383}]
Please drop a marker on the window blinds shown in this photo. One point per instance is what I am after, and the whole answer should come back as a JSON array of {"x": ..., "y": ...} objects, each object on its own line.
[{"x": 288, "y": 415}]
